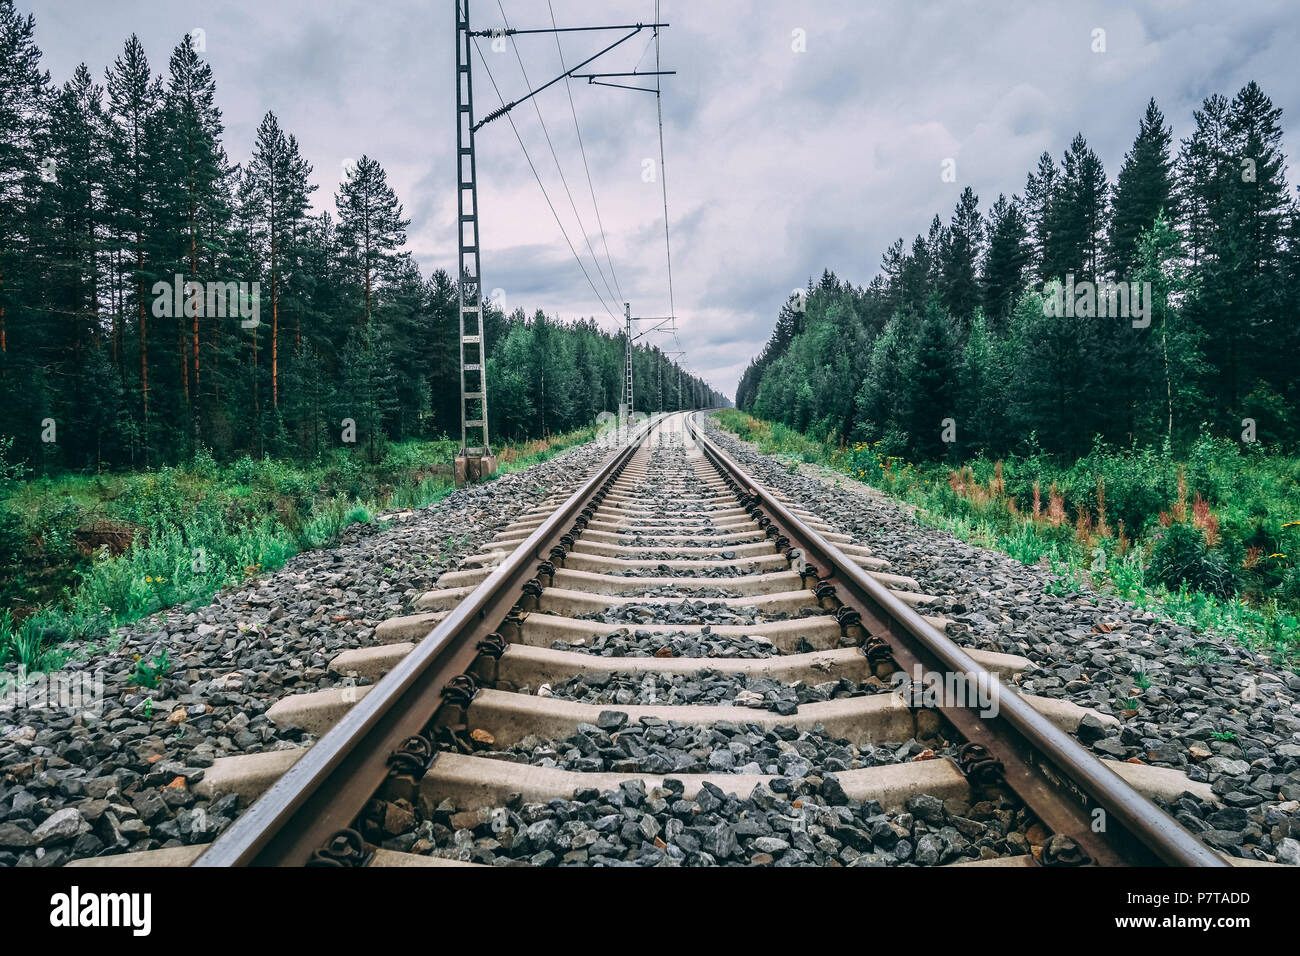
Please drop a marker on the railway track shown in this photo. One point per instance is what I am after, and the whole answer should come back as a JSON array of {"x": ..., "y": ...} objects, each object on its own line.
[{"x": 674, "y": 665}]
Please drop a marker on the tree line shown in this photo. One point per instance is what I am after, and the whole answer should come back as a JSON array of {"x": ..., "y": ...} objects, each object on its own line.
[
  {"x": 961, "y": 345},
  {"x": 156, "y": 297}
]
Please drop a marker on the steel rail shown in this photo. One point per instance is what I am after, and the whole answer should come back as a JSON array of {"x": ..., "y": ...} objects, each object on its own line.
[
  {"x": 325, "y": 790},
  {"x": 1063, "y": 783}
]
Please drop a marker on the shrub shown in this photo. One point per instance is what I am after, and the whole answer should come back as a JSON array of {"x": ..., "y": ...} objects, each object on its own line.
[
  {"x": 31, "y": 641},
  {"x": 1027, "y": 546},
  {"x": 13, "y": 543},
  {"x": 1289, "y": 588},
  {"x": 151, "y": 673},
  {"x": 10, "y": 471},
  {"x": 244, "y": 471},
  {"x": 203, "y": 464},
  {"x": 346, "y": 474},
  {"x": 1179, "y": 556},
  {"x": 58, "y": 521},
  {"x": 21, "y": 642},
  {"x": 153, "y": 494}
]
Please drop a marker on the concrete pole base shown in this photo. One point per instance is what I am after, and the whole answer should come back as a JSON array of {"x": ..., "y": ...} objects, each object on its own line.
[{"x": 471, "y": 469}]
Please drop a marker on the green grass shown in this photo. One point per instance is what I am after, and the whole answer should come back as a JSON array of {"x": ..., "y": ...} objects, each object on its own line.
[
  {"x": 1209, "y": 539},
  {"x": 83, "y": 554}
]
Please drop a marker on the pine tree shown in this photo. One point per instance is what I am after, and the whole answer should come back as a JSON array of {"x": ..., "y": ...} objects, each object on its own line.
[
  {"x": 1054, "y": 395},
  {"x": 1202, "y": 169},
  {"x": 64, "y": 250},
  {"x": 936, "y": 242},
  {"x": 1144, "y": 188},
  {"x": 23, "y": 93},
  {"x": 1040, "y": 190},
  {"x": 371, "y": 228},
  {"x": 891, "y": 274},
  {"x": 366, "y": 395},
  {"x": 876, "y": 413},
  {"x": 444, "y": 353},
  {"x": 915, "y": 277},
  {"x": 277, "y": 191},
  {"x": 404, "y": 318},
  {"x": 552, "y": 372},
  {"x": 98, "y": 417},
  {"x": 1076, "y": 215},
  {"x": 134, "y": 97},
  {"x": 194, "y": 193},
  {"x": 511, "y": 408},
  {"x": 1257, "y": 203},
  {"x": 959, "y": 285},
  {"x": 932, "y": 376},
  {"x": 1289, "y": 341},
  {"x": 1238, "y": 195},
  {"x": 1007, "y": 264},
  {"x": 982, "y": 396},
  {"x": 309, "y": 397}
]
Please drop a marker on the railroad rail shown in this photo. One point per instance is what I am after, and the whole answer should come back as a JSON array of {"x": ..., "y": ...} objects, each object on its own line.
[
  {"x": 451, "y": 675},
  {"x": 1063, "y": 783}
]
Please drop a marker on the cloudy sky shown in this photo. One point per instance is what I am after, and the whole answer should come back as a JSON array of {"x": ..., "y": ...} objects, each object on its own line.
[{"x": 779, "y": 162}]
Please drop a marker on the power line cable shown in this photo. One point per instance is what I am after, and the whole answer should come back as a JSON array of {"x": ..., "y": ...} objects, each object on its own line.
[
  {"x": 644, "y": 52},
  {"x": 555, "y": 156},
  {"x": 564, "y": 232},
  {"x": 583, "y": 149},
  {"x": 663, "y": 172}
]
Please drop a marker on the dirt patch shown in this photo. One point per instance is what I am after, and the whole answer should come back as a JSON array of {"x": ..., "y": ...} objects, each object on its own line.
[{"x": 117, "y": 536}]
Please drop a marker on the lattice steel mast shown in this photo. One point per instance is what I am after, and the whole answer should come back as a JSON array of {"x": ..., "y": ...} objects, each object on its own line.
[{"x": 476, "y": 460}]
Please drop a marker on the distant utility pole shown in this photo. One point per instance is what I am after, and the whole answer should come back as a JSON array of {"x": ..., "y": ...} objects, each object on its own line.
[
  {"x": 476, "y": 460},
  {"x": 674, "y": 355},
  {"x": 626, "y": 406},
  {"x": 666, "y": 323},
  {"x": 659, "y": 381}
]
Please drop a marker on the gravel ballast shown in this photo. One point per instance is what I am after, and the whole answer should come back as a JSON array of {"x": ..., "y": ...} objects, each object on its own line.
[
  {"x": 791, "y": 821},
  {"x": 76, "y": 784},
  {"x": 705, "y": 687},
  {"x": 1213, "y": 709},
  {"x": 641, "y": 643},
  {"x": 649, "y": 745}
]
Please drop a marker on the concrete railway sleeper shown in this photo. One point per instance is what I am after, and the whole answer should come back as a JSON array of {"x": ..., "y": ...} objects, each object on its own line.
[{"x": 675, "y": 666}]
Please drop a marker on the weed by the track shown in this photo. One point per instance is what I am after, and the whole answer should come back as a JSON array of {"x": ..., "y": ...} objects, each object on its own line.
[{"x": 1208, "y": 541}]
